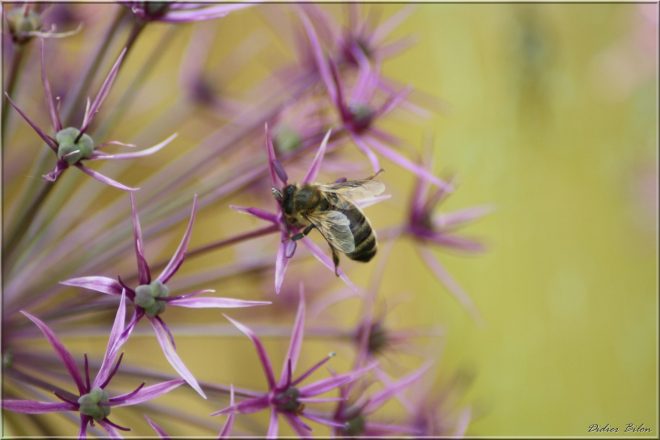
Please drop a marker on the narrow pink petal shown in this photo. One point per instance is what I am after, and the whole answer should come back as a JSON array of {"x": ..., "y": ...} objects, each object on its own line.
[
  {"x": 111, "y": 430},
  {"x": 281, "y": 263},
  {"x": 103, "y": 92},
  {"x": 61, "y": 351},
  {"x": 273, "y": 427},
  {"x": 55, "y": 173},
  {"x": 218, "y": 303},
  {"x": 297, "y": 334},
  {"x": 146, "y": 393},
  {"x": 146, "y": 152},
  {"x": 261, "y": 351},
  {"x": 35, "y": 407},
  {"x": 381, "y": 397},
  {"x": 180, "y": 253},
  {"x": 172, "y": 357},
  {"x": 325, "y": 385},
  {"x": 160, "y": 431},
  {"x": 144, "y": 274},
  {"x": 459, "y": 218},
  {"x": 364, "y": 148},
  {"x": 319, "y": 57},
  {"x": 301, "y": 429},
  {"x": 206, "y": 13},
  {"x": 49, "y": 140},
  {"x": 320, "y": 399},
  {"x": 323, "y": 420},
  {"x": 327, "y": 262},
  {"x": 104, "y": 179},
  {"x": 449, "y": 282},
  {"x": 256, "y": 212},
  {"x": 463, "y": 423},
  {"x": 318, "y": 159},
  {"x": 365, "y": 203},
  {"x": 276, "y": 169},
  {"x": 99, "y": 284},
  {"x": 84, "y": 421},
  {"x": 397, "y": 158},
  {"x": 388, "y": 429},
  {"x": 115, "y": 342},
  {"x": 229, "y": 423},
  {"x": 246, "y": 406},
  {"x": 385, "y": 28},
  {"x": 52, "y": 108}
]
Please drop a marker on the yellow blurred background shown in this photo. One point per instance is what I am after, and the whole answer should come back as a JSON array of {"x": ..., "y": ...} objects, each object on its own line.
[{"x": 550, "y": 116}]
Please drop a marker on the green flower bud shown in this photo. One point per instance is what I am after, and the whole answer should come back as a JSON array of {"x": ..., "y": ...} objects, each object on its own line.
[
  {"x": 22, "y": 22},
  {"x": 146, "y": 294},
  {"x": 286, "y": 139},
  {"x": 287, "y": 400},
  {"x": 91, "y": 404},
  {"x": 362, "y": 115},
  {"x": 355, "y": 426},
  {"x": 70, "y": 150}
]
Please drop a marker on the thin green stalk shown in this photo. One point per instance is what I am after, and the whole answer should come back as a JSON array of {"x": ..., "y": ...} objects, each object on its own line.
[
  {"x": 12, "y": 79},
  {"x": 25, "y": 220}
]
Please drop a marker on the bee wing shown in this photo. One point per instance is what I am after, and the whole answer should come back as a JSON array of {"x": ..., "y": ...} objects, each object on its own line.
[
  {"x": 335, "y": 228},
  {"x": 355, "y": 190}
]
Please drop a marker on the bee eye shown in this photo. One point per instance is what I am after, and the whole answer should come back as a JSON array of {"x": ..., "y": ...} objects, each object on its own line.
[{"x": 289, "y": 190}]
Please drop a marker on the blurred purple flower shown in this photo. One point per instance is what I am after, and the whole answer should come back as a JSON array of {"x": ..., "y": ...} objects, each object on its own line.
[
  {"x": 287, "y": 247},
  {"x": 182, "y": 12},
  {"x": 26, "y": 22},
  {"x": 357, "y": 112},
  {"x": 286, "y": 397},
  {"x": 356, "y": 416},
  {"x": 91, "y": 400},
  {"x": 73, "y": 145},
  {"x": 151, "y": 297},
  {"x": 429, "y": 228}
]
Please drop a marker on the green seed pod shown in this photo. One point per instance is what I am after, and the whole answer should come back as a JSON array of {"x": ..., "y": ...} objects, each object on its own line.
[
  {"x": 90, "y": 404},
  {"x": 355, "y": 426},
  {"x": 159, "y": 289},
  {"x": 144, "y": 296},
  {"x": 70, "y": 150}
]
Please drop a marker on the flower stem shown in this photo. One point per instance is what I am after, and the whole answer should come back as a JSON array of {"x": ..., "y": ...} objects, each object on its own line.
[
  {"x": 12, "y": 79},
  {"x": 25, "y": 220}
]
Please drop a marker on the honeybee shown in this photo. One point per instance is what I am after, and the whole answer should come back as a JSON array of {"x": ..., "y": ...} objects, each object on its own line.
[{"x": 332, "y": 210}]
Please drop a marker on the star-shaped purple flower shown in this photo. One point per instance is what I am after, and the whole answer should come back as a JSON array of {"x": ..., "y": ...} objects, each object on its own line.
[
  {"x": 91, "y": 399},
  {"x": 151, "y": 296},
  {"x": 287, "y": 246},
  {"x": 182, "y": 12},
  {"x": 358, "y": 114},
  {"x": 72, "y": 146},
  {"x": 286, "y": 397}
]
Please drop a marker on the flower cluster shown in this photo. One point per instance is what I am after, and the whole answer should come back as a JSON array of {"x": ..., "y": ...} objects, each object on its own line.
[{"x": 68, "y": 235}]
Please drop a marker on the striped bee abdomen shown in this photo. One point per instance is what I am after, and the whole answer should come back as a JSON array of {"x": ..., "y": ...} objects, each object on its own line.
[{"x": 363, "y": 235}]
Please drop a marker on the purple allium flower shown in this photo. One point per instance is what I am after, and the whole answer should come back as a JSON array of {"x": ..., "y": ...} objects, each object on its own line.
[
  {"x": 25, "y": 22},
  {"x": 91, "y": 399},
  {"x": 73, "y": 145},
  {"x": 286, "y": 397},
  {"x": 429, "y": 228},
  {"x": 160, "y": 431},
  {"x": 287, "y": 245},
  {"x": 358, "y": 113},
  {"x": 151, "y": 296},
  {"x": 356, "y": 415},
  {"x": 182, "y": 12}
]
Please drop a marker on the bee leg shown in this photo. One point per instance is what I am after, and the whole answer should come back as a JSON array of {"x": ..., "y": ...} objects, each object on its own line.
[
  {"x": 302, "y": 234},
  {"x": 335, "y": 259}
]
